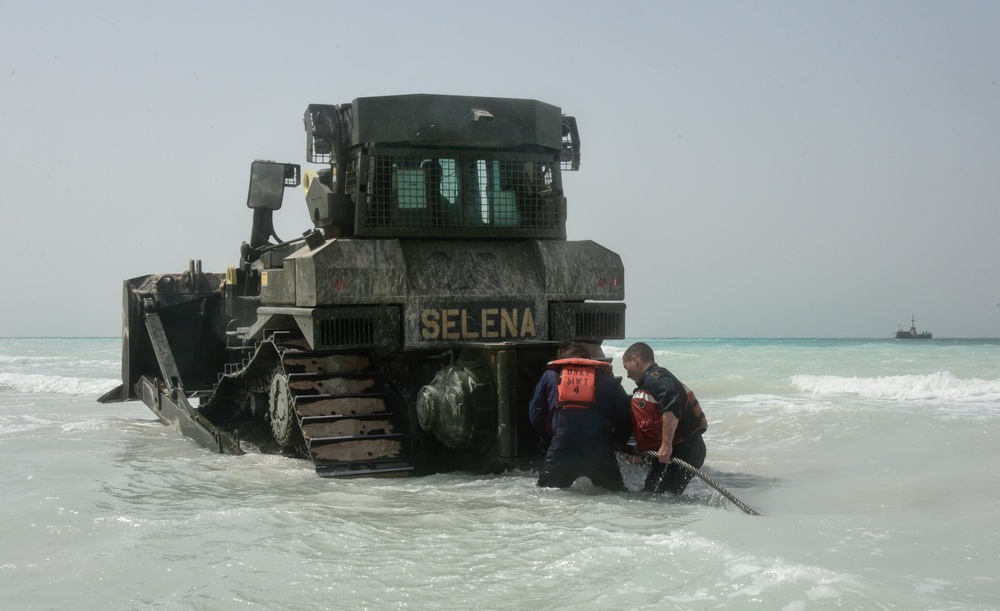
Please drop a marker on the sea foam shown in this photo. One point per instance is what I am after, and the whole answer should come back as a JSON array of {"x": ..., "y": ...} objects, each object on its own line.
[
  {"x": 37, "y": 383},
  {"x": 941, "y": 386}
]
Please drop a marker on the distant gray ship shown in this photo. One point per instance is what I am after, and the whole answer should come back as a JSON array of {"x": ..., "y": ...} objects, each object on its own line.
[{"x": 912, "y": 333}]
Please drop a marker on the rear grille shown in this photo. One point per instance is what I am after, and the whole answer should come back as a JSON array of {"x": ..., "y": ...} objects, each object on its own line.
[
  {"x": 347, "y": 332},
  {"x": 587, "y": 321},
  {"x": 376, "y": 327},
  {"x": 599, "y": 325}
]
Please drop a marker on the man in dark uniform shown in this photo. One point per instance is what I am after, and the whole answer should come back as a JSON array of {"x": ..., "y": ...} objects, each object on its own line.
[
  {"x": 667, "y": 418},
  {"x": 584, "y": 409}
]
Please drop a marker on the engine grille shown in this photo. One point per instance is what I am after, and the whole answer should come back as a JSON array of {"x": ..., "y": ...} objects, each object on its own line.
[
  {"x": 357, "y": 327},
  {"x": 594, "y": 325},
  {"x": 587, "y": 321},
  {"x": 346, "y": 331}
]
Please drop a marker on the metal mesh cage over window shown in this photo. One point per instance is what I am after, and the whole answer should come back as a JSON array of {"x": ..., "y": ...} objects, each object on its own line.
[{"x": 427, "y": 190}]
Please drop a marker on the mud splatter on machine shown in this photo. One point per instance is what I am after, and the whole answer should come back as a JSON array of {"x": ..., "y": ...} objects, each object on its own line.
[{"x": 404, "y": 332}]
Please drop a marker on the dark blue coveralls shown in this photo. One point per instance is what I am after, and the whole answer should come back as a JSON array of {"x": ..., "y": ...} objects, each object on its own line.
[
  {"x": 582, "y": 440},
  {"x": 672, "y": 397}
]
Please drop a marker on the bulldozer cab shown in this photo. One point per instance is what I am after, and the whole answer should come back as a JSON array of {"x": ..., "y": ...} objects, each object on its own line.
[{"x": 426, "y": 166}]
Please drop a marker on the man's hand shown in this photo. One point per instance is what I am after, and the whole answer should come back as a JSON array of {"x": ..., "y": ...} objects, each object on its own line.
[{"x": 666, "y": 449}]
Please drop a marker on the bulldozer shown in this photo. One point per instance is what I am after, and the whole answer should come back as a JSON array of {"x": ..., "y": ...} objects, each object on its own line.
[{"x": 403, "y": 333}]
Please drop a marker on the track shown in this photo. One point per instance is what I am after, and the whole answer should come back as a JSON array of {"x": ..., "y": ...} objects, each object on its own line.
[{"x": 333, "y": 406}]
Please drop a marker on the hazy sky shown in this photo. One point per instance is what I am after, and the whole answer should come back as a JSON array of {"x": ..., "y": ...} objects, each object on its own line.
[{"x": 765, "y": 169}]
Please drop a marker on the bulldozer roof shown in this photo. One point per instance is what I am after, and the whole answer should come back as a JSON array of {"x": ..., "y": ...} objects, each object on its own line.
[{"x": 464, "y": 121}]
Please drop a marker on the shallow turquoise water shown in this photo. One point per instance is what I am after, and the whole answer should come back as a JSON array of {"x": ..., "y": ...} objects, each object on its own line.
[{"x": 875, "y": 462}]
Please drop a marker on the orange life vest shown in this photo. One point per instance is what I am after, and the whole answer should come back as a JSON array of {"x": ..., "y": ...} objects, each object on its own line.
[
  {"x": 577, "y": 381},
  {"x": 647, "y": 420}
]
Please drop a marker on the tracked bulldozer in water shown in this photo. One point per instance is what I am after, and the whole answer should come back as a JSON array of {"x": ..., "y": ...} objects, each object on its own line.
[{"x": 405, "y": 331}]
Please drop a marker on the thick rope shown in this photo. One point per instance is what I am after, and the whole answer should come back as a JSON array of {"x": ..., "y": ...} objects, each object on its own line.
[{"x": 708, "y": 480}]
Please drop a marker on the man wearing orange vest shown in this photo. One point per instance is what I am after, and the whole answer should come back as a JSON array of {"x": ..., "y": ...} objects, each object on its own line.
[
  {"x": 581, "y": 405},
  {"x": 667, "y": 418}
]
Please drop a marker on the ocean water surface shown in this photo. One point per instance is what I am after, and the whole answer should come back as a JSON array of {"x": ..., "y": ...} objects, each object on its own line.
[{"x": 875, "y": 464}]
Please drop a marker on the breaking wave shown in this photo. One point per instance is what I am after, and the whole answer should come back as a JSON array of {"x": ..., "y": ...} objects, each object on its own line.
[
  {"x": 941, "y": 386},
  {"x": 57, "y": 359},
  {"x": 37, "y": 383}
]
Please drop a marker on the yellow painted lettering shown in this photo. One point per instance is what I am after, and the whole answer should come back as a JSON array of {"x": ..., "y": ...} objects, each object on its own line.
[
  {"x": 489, "y": 322},
  {"x": 508, "y": 322},
  {"x": 528, "y": 324},
  {"x": 431, "y": 322},
  {"x": 467, "y": 333},
  {"x": 449, "y": 322}
]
